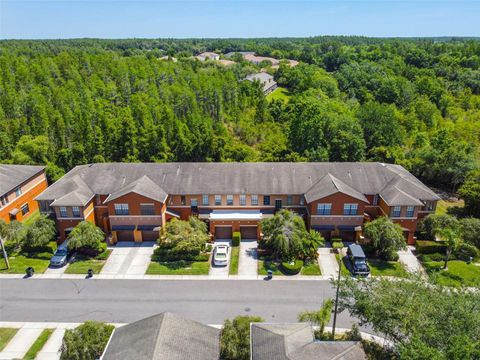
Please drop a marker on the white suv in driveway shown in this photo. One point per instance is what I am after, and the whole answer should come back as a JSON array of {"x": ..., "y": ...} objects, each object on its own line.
[{"x": 220, "y": 255}]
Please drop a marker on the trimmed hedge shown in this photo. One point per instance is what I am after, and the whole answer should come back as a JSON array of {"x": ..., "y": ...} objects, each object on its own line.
[
  {"x": 292, "y": 269},
  {"x": 161, "y": 254},
  {"x": 429, "y": 247},
  {"x": 465, "y": 251},
  {"x": 236, "y": 237},
  {"x": 337, "y": 244}
]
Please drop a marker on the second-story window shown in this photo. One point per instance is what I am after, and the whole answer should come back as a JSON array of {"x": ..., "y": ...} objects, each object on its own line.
[
  {"x": 229, "y": 199},
  {"x": 324, "y": 209},
  {"x": 218, "y": 200},
  {"x": 63, "y": 212},
  {"x": 183, "y": 200},
  {"x": 243, "y": 199},
  {"x": 254, "y": 199},
  {"x": 75, "y": 211},
  {"x": 289, "y": 200},
  {"x": 396, "y": 211},
  {"x": 121, "y": 209},
  {"x": 193, "y": 202},
  {"x": 410, "y": 211},
  {"x": 205, "y": 200},
  {"x": 266, "y": 200},
  {"x": 18, "y": 191},
  {"x": 147, "y": 209},
  {"x": 350, "y": 209}
]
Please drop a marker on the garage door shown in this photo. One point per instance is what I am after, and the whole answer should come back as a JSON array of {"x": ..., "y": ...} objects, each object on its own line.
[
  {"x": 248, "y": 232},
  {"x": 124, "y": 235},
  {"x": 149, "y": 235},
  {"x": 223, "y": 232}
]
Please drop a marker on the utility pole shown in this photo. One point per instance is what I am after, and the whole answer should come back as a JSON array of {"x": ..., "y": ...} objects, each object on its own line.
[
  {"x": 4, "y": 253},
  {"x": 336, "y": 296}
]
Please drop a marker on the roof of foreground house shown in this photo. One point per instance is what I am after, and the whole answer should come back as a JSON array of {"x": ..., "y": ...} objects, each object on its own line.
[
  {"x": 297, "y": 342},
  {"x": 12, "y": 176},
  {"x": 165, "y": 336},
  {"x": 354, "y": 179}
]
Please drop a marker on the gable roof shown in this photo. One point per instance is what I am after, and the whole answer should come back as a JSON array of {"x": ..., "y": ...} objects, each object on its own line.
[
  {"x": 12, "y": 176},
  {"x": 165, "y": 336},
  {"x": 76, "y": 193},
  {"x": 241, "y": 178},
  {"x": 329, "y": 185},
  {"x": 143, "y": 186},
  {"x": 296, "y": 342}
]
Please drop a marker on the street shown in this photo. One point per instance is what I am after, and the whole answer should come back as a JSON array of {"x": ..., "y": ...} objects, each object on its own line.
[{"x": 121, "y": 301}]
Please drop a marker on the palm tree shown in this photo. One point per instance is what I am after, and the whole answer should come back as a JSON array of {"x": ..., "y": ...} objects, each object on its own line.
[
  {"x": 452, "y": 241},
  {"x": 318, "y": 318}
]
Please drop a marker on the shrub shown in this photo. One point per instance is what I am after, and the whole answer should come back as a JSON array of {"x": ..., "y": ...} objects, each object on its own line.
[
  {"x": 386, "y": 237},
  {"x": 429, "y": 247},
  {"x": 235, "y": 338},
  {"x": 470, "y": 230},
  {"x": 311, "y": 243},
  {"x": 430, "y": 225},
  {"x": 392, "y": 256},
  {"x": 236, "y": 237},
  {"x": 292, "y": 269},
  {"x": 434, "y": 257},
  {"x": 465, "y": 251},
  {"x": 86, "y": 238},
  {"x": 209, "y": 247},
  {"x": 86, "y": 342},
  {"x": 337, "y": 244},
  {"x": 40, "y": 233}
]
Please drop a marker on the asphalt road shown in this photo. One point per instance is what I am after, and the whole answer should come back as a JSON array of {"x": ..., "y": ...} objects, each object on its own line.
[{"x": 122, "y": 301}]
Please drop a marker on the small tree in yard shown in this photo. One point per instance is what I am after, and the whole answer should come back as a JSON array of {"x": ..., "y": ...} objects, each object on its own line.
[
  {"x": 86, "y": 236},
  {"x": 318, "y": 318},
  {"x": 86, "y": 342},
  {"x": 311, "y": 243},
  {"x": 386, "y": 237},
  {"x": 452, "y": 241},
  {"x": 284, "y": 234},
  {"x": 40, "y": 233},
  {"x": 430, "y": 225},
  {"x": 235, "y": 338},
  {"x": 14, "y": 235}
]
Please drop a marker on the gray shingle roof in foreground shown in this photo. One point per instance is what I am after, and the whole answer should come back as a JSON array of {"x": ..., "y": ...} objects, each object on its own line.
[
  {"x": 165, "y": 336},
  {"x": 296, "y": 342},
  {"x": 12, "y": 176},
  {"x": 245, "y": 178}
]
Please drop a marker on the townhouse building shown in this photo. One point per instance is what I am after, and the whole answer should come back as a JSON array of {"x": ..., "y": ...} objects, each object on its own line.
[
  {"x": 19, "y": 185},
  {"x": 132, "y": 201}
]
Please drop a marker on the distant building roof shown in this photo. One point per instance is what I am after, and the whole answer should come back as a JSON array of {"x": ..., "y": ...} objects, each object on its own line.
[
  {"x": 226, "y": 62},
  {"x": 264, "y": 78},
  {"x": 207, "y": 55},
  {"x": 297, "y": 342},
  {"x": 367, "y": 178},
  {"x": 243, "y": 53},
  {"x": 12, "y": 176},
  {"x": 258, "y": 59},
  {"x": 165, "y": 336}
]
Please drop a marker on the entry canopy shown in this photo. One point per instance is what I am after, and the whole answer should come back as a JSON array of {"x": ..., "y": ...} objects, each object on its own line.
[{"x": 235, "y": 215}]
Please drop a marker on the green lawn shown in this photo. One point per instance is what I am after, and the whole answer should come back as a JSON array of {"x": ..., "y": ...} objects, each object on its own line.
[
  {"x": 31, "y": 218},
  {"x": 264, "y": 264},
  {"x": 459, "y": 273},
  {"x": 81, "y": 265},
  {"x": 19, "y": 262},
  {"x": 234, "y": 260},
  {"x": 6, "y": 334},
  {"x": 386, "y": 268},
  {"x": 312, "y": 268},
  {"x": 345, "y": 271},
  {"x": 38, "y": 344},
  {"x": 279, "y": 94},
  {"x": 179, "y": 268},
  {"x": 443, "y": 205}
]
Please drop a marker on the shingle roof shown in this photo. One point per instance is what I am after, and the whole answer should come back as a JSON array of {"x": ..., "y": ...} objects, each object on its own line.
[
  {"x": 329, "y": 185},
  {"x": 242, "y": 178},
  {"x": 72, "y": 192},
  {"x": 165, "y": 336},
  {"x": 296, "y": 342},
  {"x": 12, "y": 176},
  {"x": 143, "y": 186}
]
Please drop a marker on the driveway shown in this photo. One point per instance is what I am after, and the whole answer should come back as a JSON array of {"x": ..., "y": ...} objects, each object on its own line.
[
  {"x": 221, "y": 271},
  {"x": 129, "y": 259},
  {"x": 410, "y": 261},
  {"x": 247, "y": 262},
  {"x": 328, "y": 262}
]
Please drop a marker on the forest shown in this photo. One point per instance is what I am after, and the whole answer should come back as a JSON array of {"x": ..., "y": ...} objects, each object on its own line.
[{"x": 414, "y": 102}]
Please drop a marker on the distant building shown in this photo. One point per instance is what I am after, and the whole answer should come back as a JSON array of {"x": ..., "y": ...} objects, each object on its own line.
[
  {"x": 268, "y": 84},
  {"x": 226, "y": 62},
  {"x": 297, "y": 342},
  {"x": 208, "y": 56},
  {"x": 19, "y": 185},
  {"x": 258, "y": 59},
  {"x": 168, "y": 58},
  {"x": 243, "y": 53}
]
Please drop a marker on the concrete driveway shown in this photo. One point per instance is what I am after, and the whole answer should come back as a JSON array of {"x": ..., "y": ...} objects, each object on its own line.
[
  {"x": 247, "y": 262},
  {"x": 129, "y": 259},
  {"x": 328, "y": 262},
  {"x": 221, "y": 271}
]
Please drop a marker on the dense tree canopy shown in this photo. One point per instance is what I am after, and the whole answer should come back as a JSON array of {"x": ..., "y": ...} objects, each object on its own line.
[{"x": 411, "y": 102}]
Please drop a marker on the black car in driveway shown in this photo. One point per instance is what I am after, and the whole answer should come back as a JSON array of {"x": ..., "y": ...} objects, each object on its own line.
[{"x": 358, "y": 260}]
